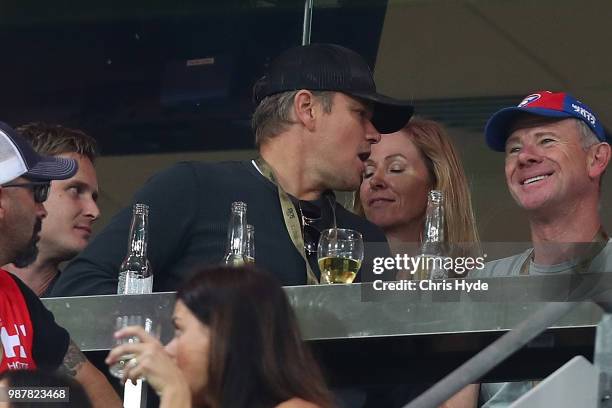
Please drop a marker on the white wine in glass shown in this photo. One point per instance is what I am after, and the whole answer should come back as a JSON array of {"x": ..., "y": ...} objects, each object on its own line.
[
  {"x": 339, "y": 253},
  {"x": 338, "y": 270}
]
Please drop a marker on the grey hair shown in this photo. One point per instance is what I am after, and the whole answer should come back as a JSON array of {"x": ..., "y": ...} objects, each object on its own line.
[
  {"x": 587, "y": 137},
  {"x": 274, "y": 113}
]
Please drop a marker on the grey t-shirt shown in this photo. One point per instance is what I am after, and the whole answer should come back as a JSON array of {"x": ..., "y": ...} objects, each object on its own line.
[
  {"x": 511, "y": 266},
  {"x": 501, "y": 395}
]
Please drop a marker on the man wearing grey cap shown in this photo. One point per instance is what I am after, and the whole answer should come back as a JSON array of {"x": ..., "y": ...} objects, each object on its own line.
[
  {"x": 30, "y": 337},
  {"x": 318, "y": 112},
  {"x": 556, "y": 153}
]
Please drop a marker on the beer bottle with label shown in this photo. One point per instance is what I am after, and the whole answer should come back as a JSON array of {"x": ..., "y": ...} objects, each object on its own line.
[
  {"x": 433, "y": 249},
  {"x": 235, "y": 254},
  {"x": 135, "y": 272}
]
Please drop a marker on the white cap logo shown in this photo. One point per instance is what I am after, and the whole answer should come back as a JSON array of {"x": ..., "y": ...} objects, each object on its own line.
[{"x": 529, "y": 99}]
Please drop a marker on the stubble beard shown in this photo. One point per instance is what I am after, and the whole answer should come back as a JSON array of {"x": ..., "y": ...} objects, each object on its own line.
[{"x": 341, "y": 180}]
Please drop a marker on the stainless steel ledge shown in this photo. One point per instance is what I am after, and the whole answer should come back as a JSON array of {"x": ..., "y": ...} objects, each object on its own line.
[{"x": 337, "y": 312}]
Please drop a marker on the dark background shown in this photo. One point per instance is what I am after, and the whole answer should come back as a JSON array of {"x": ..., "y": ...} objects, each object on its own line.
[{"x": 120, "y": 72}]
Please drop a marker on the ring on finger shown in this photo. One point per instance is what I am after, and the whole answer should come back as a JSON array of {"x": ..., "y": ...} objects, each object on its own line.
[{"x": 133, "y": 362}]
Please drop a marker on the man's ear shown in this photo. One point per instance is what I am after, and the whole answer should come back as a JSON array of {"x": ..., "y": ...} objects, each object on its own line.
[
  {"x": 305, "y": 108},
  {"x": 599, "y": 159}
]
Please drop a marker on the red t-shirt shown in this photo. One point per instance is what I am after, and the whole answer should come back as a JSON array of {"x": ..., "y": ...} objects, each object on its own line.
[
  {"x": 29, "y": 336},
  {"x": 16, "y": 332}
]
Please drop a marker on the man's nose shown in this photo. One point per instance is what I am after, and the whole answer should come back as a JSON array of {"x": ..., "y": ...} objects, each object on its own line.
[
  {"x": 91, "y": 209},
  {"x": 372, "y": 135},
  {"x": 529, "y": 154}
]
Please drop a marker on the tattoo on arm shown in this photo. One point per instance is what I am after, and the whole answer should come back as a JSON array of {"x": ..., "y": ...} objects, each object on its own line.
[{"x": 73, "y": 360}]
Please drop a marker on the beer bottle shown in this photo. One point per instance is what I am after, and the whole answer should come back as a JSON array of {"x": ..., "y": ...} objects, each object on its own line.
[
  {"x": 135, "y": 273},
  {"x": 433, "y": 249},
  {"x": 235, "y": 254}
]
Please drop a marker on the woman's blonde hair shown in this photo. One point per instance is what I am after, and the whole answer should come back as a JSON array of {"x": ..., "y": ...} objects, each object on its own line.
[{"x": 446, "y": 173}]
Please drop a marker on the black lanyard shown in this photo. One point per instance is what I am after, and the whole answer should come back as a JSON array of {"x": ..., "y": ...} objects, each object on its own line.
[
  {"x": 584, "y": 263},
  {"x": 290, "y": 216}
]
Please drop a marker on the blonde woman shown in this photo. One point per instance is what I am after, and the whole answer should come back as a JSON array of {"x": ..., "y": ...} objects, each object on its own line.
[{"x": 403, "y": 167}]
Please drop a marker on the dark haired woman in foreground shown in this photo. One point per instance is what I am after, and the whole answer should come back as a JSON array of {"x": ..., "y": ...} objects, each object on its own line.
[{"x": 236, "y": 344}]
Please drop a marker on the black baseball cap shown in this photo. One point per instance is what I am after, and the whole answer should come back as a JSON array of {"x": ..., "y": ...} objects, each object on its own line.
[
  {"x": 330, "y": 67},
  {"x": 19, "y": 159}
]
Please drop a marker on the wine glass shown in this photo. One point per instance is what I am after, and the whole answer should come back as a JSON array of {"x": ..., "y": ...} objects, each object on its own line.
[{"x": 339, "y": 253}]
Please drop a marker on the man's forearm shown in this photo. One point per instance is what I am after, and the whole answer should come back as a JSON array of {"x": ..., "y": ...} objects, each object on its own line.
[{"x": 99, "y": 390}]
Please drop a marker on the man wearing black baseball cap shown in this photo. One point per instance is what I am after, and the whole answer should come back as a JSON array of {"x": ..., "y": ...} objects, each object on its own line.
[
  {"x": 556, "y": 152},
  {"x": 317, "y": 114},
  {"x": 31, "y": 339},
  {"x": 330, "y": 67},
  {"x": 318, "y": 107}
]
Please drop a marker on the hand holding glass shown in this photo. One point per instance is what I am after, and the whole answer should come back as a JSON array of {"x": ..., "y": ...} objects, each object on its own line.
[
  {"x": 150, "y": 326},
  {"x": 340, "y": 253}
]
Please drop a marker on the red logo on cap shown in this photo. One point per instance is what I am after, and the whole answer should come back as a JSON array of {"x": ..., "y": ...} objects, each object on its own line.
[{"x": 545, "y": 100}]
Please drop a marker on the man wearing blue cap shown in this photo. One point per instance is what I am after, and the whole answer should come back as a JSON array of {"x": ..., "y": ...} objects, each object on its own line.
[{"x": 556, "y": 155}]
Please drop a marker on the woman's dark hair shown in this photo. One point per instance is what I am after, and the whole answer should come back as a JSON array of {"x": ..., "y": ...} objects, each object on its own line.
[
  {"x": 77, "y": 398},
  {"x": 257, "y": 357}
]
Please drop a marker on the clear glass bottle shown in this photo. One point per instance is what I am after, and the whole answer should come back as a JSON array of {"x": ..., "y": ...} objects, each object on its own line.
[
  {"x": 433, "y": 249},
  {"x": 135, "y": 272},
  {"x": 250, "y": 244},
  {"x": 236, "y": 236}
]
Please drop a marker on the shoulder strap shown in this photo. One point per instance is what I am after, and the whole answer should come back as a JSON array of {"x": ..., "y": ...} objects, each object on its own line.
[{"x": 294, "y": 228}]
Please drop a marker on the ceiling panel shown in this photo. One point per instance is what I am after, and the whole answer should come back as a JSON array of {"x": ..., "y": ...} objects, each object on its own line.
[{"x": 439, "y": 49}]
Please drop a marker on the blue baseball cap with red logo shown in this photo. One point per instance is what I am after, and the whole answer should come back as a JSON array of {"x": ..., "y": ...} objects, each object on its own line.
[{"x": 543, "y": 103}]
